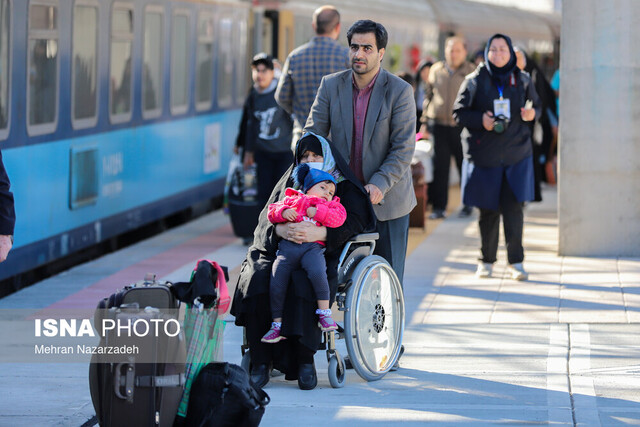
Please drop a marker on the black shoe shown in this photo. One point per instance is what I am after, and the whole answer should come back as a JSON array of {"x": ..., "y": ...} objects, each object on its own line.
[
  {"x": 465, "y": 211},
  {"x": 307, "y": 377},
  {"x": 260, "y": 374},
  {"x": 396, "y": 365},
  {"x": 437, "y": 214}
]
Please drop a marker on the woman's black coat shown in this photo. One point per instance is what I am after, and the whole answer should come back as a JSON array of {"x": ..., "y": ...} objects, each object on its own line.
[{"x": 476, "y": 95}]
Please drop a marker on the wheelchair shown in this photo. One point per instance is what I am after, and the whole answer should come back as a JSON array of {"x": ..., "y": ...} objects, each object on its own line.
[{"x": 370, "y": 296}]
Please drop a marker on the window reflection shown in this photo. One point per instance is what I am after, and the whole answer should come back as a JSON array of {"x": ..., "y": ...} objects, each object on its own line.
[
  {"x": 152, "y": 71},
  {"x": 180, "y": 63},
  {"x": 84, "y": 62},
  {"x": 204, "y": 61},
  {"x": 43, "y": 75},
  {"x": 225, "y": 62},
  {"x": 120, "y": 67}
]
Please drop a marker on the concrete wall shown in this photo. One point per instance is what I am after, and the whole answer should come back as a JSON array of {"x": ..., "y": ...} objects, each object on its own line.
[{"x": 599, "y": 150}]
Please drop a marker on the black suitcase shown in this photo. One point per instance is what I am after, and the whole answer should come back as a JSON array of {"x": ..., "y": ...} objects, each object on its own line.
[
  {"x": 243, "y": 204},
  {"x": 244, "y": 217},
  {"x": 145, "y": 388}
]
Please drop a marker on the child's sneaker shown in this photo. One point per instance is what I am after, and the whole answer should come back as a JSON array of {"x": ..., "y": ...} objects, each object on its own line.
[
  {"x": 273, "y": 336},
  {"x": 326, "y": 323}
]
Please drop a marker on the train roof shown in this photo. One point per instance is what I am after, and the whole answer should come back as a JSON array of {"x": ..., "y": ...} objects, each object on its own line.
[{"x": 478, "y": 21}]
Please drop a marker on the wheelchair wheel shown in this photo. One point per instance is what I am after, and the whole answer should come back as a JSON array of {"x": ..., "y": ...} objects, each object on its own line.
[
  {"x": 246, "y": 361},
  {"x": 374, "y": 318},
  {"x": 336, "y": 375}
]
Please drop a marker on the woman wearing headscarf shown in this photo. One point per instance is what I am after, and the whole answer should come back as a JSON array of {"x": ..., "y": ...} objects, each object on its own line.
[
  {"x": 294, "y": 356},
  {"x": 494, "y": 104}
]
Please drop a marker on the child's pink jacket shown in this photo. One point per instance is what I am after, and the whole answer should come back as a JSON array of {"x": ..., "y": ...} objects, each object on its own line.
[{"x": 330, "y": 214}]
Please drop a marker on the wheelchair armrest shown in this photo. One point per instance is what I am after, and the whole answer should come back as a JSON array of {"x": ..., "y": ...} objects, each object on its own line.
[{"x": 365, "y": 237}]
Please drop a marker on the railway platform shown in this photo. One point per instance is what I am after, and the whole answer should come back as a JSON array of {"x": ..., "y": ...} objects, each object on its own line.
[{"x": 561, "y": 348}]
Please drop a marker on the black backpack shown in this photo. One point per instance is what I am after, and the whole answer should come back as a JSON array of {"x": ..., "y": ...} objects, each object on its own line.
[{"x": 223, "y": 395}]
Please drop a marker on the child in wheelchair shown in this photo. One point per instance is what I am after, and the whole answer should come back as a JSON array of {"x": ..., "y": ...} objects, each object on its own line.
[{"x": 315, "y": 203}]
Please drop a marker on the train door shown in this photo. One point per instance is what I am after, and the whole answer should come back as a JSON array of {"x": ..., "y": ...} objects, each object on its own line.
[
  {"x": 285, "y": 35},
  {"x": 274, "y": 33}
]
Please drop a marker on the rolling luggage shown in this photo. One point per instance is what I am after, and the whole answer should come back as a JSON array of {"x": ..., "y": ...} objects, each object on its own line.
[
  {"x": 140, "y": 388},
  {"x": 242, "y": 200}
]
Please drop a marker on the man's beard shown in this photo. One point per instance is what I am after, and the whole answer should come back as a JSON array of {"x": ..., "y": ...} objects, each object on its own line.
[{"x": 364, "y": 70}]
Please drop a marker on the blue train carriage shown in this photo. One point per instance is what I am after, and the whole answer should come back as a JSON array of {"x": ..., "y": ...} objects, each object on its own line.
[{"x": 114, "y": 114}]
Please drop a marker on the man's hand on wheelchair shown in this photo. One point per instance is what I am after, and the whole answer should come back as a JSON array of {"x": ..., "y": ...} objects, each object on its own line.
[{"x": 375, "y": 194}]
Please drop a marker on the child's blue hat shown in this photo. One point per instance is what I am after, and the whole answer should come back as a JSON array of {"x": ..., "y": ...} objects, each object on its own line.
[{"x": 305, "y": 177}]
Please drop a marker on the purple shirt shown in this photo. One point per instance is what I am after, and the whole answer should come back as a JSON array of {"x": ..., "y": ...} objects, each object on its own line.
[{"x": 360, "y": 104}]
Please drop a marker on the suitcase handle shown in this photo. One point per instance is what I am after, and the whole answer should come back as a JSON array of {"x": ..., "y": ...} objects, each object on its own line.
[{"x": 127, "y": 381}]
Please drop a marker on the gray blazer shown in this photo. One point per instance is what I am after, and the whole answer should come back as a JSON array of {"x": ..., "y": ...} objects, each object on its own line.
[{"x": 389, "y": 134}]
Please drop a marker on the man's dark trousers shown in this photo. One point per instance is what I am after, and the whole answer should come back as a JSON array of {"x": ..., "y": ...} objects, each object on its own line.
[
  {"x": 446, "y": 143},
  {"x": 392, "y": 243}
]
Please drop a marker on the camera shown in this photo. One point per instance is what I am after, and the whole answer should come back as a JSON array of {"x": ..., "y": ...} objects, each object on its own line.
[{"x": 500, "y": 124}]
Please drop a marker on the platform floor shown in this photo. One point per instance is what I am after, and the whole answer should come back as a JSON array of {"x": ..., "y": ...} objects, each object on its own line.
[{"x": 560, "y": 348}]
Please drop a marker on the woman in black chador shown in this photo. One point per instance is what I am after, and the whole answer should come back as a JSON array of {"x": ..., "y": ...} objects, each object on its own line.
[{"x": 294, "y": 356}]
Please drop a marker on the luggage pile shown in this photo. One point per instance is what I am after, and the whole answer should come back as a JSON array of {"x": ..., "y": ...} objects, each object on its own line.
[{"x": 174, "y": 378}]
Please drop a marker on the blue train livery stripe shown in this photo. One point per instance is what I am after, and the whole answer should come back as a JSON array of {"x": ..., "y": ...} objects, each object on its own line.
[{"x": 129, "y": 168}]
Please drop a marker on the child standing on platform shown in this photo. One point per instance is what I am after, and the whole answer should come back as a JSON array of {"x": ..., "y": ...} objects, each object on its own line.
[{"x": 315, "y": 203}]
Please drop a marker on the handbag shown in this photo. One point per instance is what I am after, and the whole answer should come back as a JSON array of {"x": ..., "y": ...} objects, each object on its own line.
[{"x": 224, "y": 395}]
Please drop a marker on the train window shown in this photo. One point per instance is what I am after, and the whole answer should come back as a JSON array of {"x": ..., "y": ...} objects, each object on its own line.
[
  {"x": 83, "y": 188},
  {"x": 180, "y": 62},
  {"x": 85, "y": 64},
  {"x": 42, "y": 89},
  {"x": 241, "y": 62},
  {"x": 152, "y": 67},
  {"x": 204, "y": 61},
  {"x": 225, "y": 61},
  {"x": 4, "y": 67},
  {"x": 120, "y": 67}
]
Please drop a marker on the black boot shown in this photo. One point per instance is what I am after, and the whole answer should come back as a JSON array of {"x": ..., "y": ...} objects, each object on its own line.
[
  {"x": 260, "y": 374},
  {"x": 307, "y": 377}
]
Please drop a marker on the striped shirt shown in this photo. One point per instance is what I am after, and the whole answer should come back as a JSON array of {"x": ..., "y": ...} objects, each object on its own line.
[{"x": 303, "y": 71}]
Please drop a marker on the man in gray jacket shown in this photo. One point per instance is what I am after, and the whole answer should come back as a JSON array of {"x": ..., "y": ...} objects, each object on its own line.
[{"x": 369, "y": 114}]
